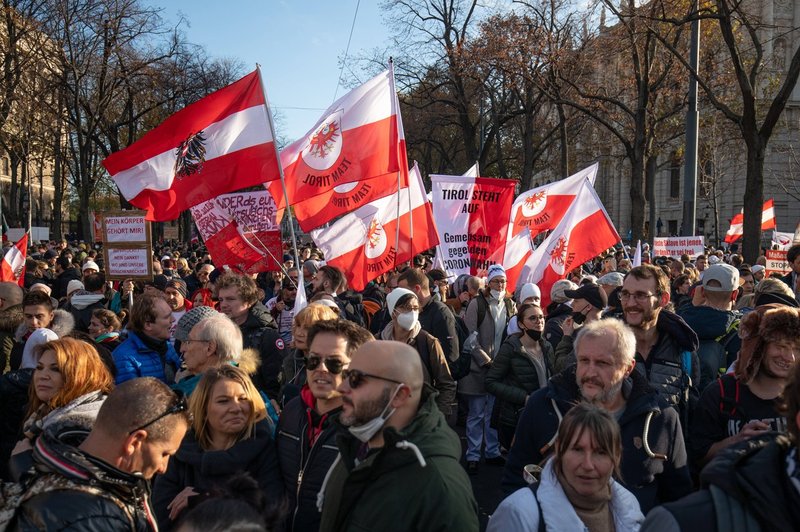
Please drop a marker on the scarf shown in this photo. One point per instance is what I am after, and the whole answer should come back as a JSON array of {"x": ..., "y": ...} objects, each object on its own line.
[
  {"x": 594, "y": 510},
  {"x": 107, "y": 337},
  {"x": 80, "y": 411},
  {"x": 159, "y": 346}
]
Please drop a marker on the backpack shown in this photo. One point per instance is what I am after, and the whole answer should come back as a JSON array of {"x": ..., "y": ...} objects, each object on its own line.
[
  {"x": 534, "y": 489},
  {"x": 459, "y": 368},
  {"x": 15, "y": 494},
  {"x": 732, "y": 515},
  {"x": 352, "y": 308},
  {"x": 713, "y": 355}
]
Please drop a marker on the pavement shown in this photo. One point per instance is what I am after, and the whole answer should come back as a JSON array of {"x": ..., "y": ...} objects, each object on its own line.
[{"x": 485, "y": 485}]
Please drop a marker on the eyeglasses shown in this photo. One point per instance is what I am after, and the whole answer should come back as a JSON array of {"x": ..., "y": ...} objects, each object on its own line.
[
  {"x": 501, "y": 282},
  {"x": 190, "y": 340},
  {"x": 334, "y": 365},
  {"x": 179, "y": 406},
  {"x": 355, "y": 378},
  {"x": 640, "y": 297}
]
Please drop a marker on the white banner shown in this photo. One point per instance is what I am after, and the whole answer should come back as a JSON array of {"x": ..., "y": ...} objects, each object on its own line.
[
  {"x": 676, "y": 246},
  {"x": 782, "y": 240}
]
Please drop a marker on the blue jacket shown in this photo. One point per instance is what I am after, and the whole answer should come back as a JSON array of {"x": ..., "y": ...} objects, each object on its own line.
[{"x": 134, "y": 359}]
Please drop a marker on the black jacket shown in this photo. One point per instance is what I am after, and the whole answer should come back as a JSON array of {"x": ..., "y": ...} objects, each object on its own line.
[
  {"x": 260, "y": 332},
  {"x": 60, "y": 283},
  {"x": 513, "y": 377},
  {"x": 13, "y": 400},
  {"x": 438, "y": 320},
  {"x": 752, "y": 475},
  {"x": 556, "y": 314},
  {"x": 303, "y": 465},
  {"x": 75, "y": 510},
  {"x": 651, "y": 479},
  {"x": 203, "y": 470}
]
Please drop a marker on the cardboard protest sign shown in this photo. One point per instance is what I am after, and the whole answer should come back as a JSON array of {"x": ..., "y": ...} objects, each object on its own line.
[{"x": 676, "y": 246}]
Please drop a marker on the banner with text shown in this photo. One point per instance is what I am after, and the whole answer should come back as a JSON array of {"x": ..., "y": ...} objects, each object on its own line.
[
  {"x": 472, "y": 216},
  {"x": 676, "y": 246},
  {"x": 240, "y": 230},
  {"x": 776, "y": 262}
]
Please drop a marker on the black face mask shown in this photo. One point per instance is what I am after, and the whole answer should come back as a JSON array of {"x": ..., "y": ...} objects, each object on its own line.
[
  {"x": 533, "y": 334},
  {"x": 289, "y": 303},
  {"x": 578, "y": 318}
]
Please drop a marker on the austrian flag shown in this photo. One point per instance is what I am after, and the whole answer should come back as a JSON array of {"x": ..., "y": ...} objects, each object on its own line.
[
  {"x": 736, "y": 229},
  {"x": 12, "y": 269},
  {"x": 216, "y": 145}
]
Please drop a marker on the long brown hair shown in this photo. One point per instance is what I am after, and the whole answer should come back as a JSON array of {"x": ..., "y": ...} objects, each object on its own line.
[
  {"x": 198, "y": 402},
  {"x": 81, "y": 367}
]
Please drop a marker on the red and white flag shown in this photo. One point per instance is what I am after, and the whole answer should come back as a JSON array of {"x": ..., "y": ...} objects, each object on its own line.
[
  {"x": 736, "y": 229},
  {"x": 584, "y": 232},
  {"x": 364, "y": 244},
  {"x": 240, "y": 231},
  {"x": 472, "y": 215},
  {"x": 518, "y": 251},
  {"x": 541, "y": 209},
  {"x": 13, "y": 265},
  {"x": 218, "y": 144},
  {"x": 359, "y": 136}
]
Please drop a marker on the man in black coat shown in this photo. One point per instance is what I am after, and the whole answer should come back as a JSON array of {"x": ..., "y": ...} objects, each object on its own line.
[
  {"x": 102, "y": 483},
  {"x": 654, "y": 463}
]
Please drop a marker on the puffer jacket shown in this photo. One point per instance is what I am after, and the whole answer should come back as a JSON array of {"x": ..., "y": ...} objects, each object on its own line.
[
  {"x": 124, "y": 505},
  {"x": 414, "y": 482},
  {"x": 193, "y": 466},
  {"x": 654, "y": 462},
  {"x": 260, "y": 332},
  {"x": 304, "y": 464},
  {"x": 475, "y": 382},
  {"x": 750, "y": 477},
  {"x": 513, "y": 377},
  {"x": 519, "y": 512},
  {"x": 133, "y": 359}
]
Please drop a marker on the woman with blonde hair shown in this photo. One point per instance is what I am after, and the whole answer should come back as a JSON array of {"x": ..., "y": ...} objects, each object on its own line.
[
  {"x": 229, "y": 435},
  {"x": 576, "y": 489},
  {"x": 70, "y": 383}
]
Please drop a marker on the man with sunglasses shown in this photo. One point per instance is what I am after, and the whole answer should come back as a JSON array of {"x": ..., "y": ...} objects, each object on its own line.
[
  {"x": 306, "y": 437},
  {"x": 102, "y": 484},
  {"x": 398, "y": 467}
]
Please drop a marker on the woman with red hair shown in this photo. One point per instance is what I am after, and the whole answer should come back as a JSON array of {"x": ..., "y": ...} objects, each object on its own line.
[{"x": 202, "y": 297}]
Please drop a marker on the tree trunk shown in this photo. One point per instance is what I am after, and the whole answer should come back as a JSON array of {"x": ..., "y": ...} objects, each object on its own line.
[
  {"x": 562, "y": 133},
  {"x": 58, "y": 183},
  {"x": 637, "y": 195},
  {"x": 753, "y": 198},
  {"x": 650, "y": 187}
]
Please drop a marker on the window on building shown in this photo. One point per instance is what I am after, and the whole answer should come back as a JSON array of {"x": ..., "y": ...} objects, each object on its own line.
[
  {"x": 673, "y": 227},
  {"x": 701, "y": 226}
]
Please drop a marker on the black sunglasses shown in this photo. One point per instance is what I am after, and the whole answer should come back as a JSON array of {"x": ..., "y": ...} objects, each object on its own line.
[
  {"x": 179, "y": 406},
  {"x": 355, "y": 378},
  {"x": 334, "y": 365}
]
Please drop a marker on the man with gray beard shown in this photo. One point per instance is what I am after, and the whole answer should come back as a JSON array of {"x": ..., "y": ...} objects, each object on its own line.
[{"x": 654, "y": 464}]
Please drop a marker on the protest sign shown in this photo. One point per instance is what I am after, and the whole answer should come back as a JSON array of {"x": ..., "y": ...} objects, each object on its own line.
[
  {"x": 776, "y": 262},
  {"x": 472, "y": 216},
  {"x": 676, "y": 246},
  {"x": 240, "y": 230},
  {"x": 127, "y": 245}
]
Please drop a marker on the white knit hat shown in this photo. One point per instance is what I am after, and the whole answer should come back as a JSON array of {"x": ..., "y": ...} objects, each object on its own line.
[
  {"x": 495, "y": 270},
  {"x": 394, "y": 296}
]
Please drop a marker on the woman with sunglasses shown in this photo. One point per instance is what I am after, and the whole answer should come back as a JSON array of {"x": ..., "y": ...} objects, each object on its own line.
[
  {"x": 521, "y": 367},
  {"x": 306, "y": 436},
  {"x": 403, "y": 307},
  {"x": 229, "y": 435},
  {"x": 69, "y": 385},
  {"x": 576, "y": 489}
]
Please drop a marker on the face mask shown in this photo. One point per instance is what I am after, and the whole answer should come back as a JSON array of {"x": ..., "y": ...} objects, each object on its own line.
[
  {"x": 533, "y": 335},
  {"x": 365, "y": 432},
  {"x": 497, "y": 294},
  {"x": 578, "y": 318},
  {"x": 407, "y": 320}
]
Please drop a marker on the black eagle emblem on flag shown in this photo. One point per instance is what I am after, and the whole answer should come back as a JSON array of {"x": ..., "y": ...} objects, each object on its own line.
[{"x": 190, "y": 155}]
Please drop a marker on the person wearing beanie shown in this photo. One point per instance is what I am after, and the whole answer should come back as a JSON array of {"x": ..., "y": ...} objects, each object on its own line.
[
  {"x": 486, "y": 318},
  {"x": 403, "y": 307},
  {"x": 177, "y": 297},
  {"x": 528, "y": 293},
  {"x": 559, "y": 308},
  {"x": 89, "y": 267},
  {"x": 744, "y": 403}
]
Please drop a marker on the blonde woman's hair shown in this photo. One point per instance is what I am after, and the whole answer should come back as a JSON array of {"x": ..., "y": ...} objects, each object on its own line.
[{"x": 198, "y": 403}]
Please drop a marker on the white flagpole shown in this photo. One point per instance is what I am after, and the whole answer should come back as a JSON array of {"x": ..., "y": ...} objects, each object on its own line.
[
  {"x": 280, "y": 172},
  {"x": 397, "y": 229}
]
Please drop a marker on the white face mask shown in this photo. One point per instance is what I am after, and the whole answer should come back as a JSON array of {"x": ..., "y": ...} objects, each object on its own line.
[
  {"x": 365, "y": 432},
  {"x": 407, "y": 320},
  {"x": 497, "y": 294}
]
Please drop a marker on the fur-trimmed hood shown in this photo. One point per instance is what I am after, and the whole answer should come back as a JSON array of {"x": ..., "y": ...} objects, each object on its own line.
[
  {"x": 767, "y": 323},
  {"x": 11, "y": 318},
  {"x": 62, "y": 325}
]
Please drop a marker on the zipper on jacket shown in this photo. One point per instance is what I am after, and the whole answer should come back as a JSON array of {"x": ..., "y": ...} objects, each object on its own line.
[{"x": 303, "y": 465}]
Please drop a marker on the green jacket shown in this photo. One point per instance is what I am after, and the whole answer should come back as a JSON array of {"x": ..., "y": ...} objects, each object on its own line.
[
  {"x": 391, "y": 490},
  {"x": 513, "y": 377}
]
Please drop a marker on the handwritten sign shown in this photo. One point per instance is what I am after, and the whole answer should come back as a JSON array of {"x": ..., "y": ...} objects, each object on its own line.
[
  {"x": 676, "y": 246},
  {"x": 129, "y": 229},
  {"x": 776, "y": 262},
  {"x": 122, "y": 262}
]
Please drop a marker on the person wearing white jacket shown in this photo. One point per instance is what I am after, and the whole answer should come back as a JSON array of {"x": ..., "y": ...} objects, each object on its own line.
[{"x": 576, "y": 490}]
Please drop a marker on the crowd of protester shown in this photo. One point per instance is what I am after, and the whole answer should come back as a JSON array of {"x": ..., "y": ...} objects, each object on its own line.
[{"x": 662, "y": 396}]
